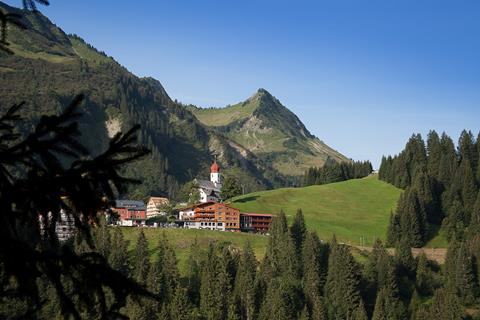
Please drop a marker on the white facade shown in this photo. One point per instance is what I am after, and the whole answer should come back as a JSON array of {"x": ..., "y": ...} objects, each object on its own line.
[
  {"x": 186, "y": 213},
  {"x": 204, "y": 225},
  {"x": 152, "y": 206},
  {"x": 216, "y": 179},
  {"x": 207, "y": 197}
]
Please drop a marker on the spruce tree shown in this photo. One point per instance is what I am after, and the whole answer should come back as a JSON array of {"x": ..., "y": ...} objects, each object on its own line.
[
  {"x": 211, "y": 294},
  {"x": 141, "y": 261},
  {"x": 180, "y": 306},
  {"x": 194, "y": 274},
  {"x": 319, "y": 311},
  {"x": 298, "y": 231},
  {"x": 434, "y": 154},
  {"x": 424, "y": 280},
  {"x": 445, "y": 306},
  {"x": 315, "y": 268},
  {"x": 448, "y": 161},
  {"x": 404, "y": 258},
  {"x": 343, "y": 283},
  {"x": 118, "y": 259},
  {"x": 245, "y": 278}
]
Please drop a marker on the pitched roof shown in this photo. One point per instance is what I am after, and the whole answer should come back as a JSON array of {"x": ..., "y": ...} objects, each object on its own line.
[
  {"x": 158, "y": 200},
  {"x": 130, "y": 204},
  {"x": 206, "y": 184}
]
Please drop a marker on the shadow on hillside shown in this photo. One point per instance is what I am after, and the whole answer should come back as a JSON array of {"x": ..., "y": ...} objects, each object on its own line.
[{"x": 247, "y": 199}]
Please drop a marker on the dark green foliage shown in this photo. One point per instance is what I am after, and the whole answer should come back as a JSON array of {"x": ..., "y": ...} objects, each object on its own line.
[
  {"x": 460, "y": 272},
  {"x": 343, "y": 283},
  {"x": 180, "y": 307},
  {"x": 409, "y": 222},
  {"x": 315, "y": 268},
  {"x": 280, "y": 257},
  {"x": 245, "y": 278},
  {"x": 445, "y": 306},
  {"x": 334, "y": 172},
  {"x": 141, "y": 261},
  {"x": 298, "y": 230},
  {"x": 425, "y": 279},
  {"x": 189, "y": 193},
  {"x": 230, "y": 188},
  {"x": 445, "y": 183},
  {"x": 404, "y": 257}
]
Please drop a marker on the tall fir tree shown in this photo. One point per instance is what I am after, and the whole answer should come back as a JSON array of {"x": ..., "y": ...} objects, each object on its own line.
[
  {"x": 343, "y": 283},
  {"x": 434, "y": 154},
  {"x": 119, "y": 259},
  {"x": 213, "y": 293},
  {"x": 315, "y": 268},
  {"x": 141, "y": 260},
  {"x": 298, "y": 230},
  {"x": 245, "y": 278}
]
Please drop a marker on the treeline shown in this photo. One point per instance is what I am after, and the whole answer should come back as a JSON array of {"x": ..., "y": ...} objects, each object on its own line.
[
  {"x": 300, "y": 277},
  {"x": 441, "y": 188},
  {"x": 334, "y": 172}
]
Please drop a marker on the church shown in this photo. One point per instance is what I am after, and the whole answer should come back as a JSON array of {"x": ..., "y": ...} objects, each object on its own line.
[{"x": 210, "y": 190}]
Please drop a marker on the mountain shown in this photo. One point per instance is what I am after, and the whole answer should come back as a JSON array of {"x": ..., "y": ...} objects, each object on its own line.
[
  {"x": 262, "y": 125},
  {"x": 50, "y": 67}
]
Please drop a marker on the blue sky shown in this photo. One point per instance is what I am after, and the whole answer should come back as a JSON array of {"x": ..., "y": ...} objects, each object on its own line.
[{"x": 362, "y": 75}]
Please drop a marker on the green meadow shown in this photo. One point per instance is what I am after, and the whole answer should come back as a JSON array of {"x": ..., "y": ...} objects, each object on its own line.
[{"x": 354, "y": 211}]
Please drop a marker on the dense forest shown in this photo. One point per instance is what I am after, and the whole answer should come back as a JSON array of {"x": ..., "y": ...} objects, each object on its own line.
[
  {"x": 300, "y": 277},
  {"x": 441, "y": 185},
  {"x": 333, "y": 171}
]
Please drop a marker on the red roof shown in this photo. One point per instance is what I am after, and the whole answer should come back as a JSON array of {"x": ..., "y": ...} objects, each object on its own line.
[{"x": 214, "y": 168}]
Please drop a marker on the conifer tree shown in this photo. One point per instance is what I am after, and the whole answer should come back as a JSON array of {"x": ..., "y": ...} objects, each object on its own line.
[
  {"x": 118, "y": 259},
  {"x": 315, "y": 268},
  {"x": 102, "y": 239},
  {"x": 281, "y": 300},
  {"x": 360, "y": 313},
  {"x": 319, "y": 311},
  {"x": 194, "y": 274},
  {"x": 245, "y": 278},
  {"x": 141, "y": 261},
  {"x": 404, "y": 258},
  {"x": 298, "y": 231},
  {"x": 211, "y": 294},
  {"x": 474, "y": 227},
  {"x": 180, "y": 306},
  {"x": 465, "y": 283},
  {"x": 343, "y": 283},
  {"x": 280, "y": 257},
  {"x": 434, "y": 154},
  {"x": 448, "y": 161},
  {"x": 424, "y": 281},
  {"x": 445, "y": 306}
]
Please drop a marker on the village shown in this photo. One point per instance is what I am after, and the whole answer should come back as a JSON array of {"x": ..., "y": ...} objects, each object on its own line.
[{"x": 209, "y": 213}]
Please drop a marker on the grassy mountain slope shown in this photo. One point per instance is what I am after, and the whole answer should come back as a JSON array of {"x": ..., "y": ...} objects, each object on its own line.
[
  {"x": 264, "y": 126},
  {"x": 50, "y": 67},
  {"x": 349, "y": 209}
]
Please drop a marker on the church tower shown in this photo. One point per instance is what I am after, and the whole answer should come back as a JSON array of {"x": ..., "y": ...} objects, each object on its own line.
[{"x": 215, "y": 174}]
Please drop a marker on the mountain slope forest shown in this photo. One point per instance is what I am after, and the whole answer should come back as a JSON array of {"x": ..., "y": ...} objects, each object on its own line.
[{"x": 49, "y": 67}]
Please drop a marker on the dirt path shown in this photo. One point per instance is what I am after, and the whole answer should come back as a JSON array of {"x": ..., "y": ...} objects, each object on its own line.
[{"x": 437, "y": 254}]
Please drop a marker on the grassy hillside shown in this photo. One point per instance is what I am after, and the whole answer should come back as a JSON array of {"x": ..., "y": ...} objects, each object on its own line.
[
  {"x": 349, "y": 209},
  {"x": 263, "y": 126},
  {"x": 182, "y": 239}
]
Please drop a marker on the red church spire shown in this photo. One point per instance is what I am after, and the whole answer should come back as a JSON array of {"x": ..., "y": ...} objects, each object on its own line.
[{"x": 214, "y": 168}]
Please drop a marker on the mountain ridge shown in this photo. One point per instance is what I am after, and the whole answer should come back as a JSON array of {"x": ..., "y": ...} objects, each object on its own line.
[
  {"x": 263, "y": 125},
  {"x": 182, "y": 146}
]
